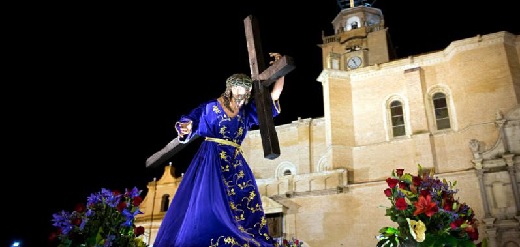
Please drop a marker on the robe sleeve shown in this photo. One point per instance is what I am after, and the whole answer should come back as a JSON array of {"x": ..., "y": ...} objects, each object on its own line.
[{"x": 194, "y": 116}]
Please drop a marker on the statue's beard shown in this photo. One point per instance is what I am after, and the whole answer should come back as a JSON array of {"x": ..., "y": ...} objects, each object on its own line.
[{"x": 240, "y": 100}]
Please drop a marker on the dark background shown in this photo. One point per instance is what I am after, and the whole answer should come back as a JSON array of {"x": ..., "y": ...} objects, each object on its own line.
[{"x": 92, "y": 90}]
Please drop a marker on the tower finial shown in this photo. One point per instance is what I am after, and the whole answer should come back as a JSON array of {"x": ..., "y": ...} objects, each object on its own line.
[{"x": 343, "y": 4}]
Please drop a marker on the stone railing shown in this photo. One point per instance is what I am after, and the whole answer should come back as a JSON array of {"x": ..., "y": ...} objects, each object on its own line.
[{"x": 333, "y": 181}]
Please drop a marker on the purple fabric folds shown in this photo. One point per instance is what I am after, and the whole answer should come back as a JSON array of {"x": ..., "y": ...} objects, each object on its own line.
[{"x": 217, "y": 202}]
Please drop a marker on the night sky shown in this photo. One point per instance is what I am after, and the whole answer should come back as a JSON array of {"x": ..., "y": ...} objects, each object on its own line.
[{"x": 91, "y": 91}]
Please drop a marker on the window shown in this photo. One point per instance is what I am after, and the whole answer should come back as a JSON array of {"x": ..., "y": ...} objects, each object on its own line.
[
  {"x": 442, "y": 117},
  {"x": 165, "y": 202},
  {"x": 397, "y": 117},
  {"x": 285, "y": 168},
  {"x": 352, "y": 23},
  {"x": 334, "y": 61}
]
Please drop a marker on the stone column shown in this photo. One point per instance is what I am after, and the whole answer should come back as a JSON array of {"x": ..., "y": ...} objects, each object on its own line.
[
  {"x": 342, "y": 180},
  {"x": 512, "y": 174},
  {"x": 491, "y": 232},
  {"x": 290, "y": 186},
  {"x": 480, "y": 175}
]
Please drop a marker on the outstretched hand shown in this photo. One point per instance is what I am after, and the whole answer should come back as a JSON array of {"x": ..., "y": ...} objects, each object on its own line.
[{"x": 184, "y": 128}]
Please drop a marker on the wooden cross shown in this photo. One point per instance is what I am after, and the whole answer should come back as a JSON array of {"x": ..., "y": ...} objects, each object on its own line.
[{"x": 261, "y": 83}]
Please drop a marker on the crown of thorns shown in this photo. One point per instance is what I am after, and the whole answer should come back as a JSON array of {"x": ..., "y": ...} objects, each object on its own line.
[{"x": 239, "y": 80}]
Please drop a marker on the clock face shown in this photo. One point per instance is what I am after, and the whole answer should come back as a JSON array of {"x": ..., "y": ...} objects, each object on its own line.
[{"x": 354, "y": 62}]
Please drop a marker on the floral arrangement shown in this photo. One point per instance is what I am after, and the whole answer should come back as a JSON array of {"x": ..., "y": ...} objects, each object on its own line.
[
  {"x": 106, "y": 220},
  {"x": 426, "y": 212},
  {"x": 290, "y": 243}
]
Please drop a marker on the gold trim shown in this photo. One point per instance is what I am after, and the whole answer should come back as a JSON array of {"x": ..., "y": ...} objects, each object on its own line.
[{"x": 226, "y": 142}]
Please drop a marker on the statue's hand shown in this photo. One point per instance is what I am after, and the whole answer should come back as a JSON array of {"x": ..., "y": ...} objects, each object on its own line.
[
  {"x": 275, "y": 56},
  {"x": 183, "y": 128}
]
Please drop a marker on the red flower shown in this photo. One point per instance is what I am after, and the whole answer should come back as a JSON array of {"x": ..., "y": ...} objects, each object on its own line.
[
  {"x": 392, "y": 182},
  {"x": 400, "y": 203},
  {"x": 80, "y": 208},
  {"x": 388, "y": 192},
  {"x": 76, "y": 221},
  {"x": 121, "y": 206},
  {"x": 137, "y": 201},
  {"x": 402, "y": 185},
  {"x": 138, "y": 231},
  {"x": 472, "y": 232},
  {"x": 53, "y": 236},
  {"x": 456, "y": 223},
  {"x": 448, "y": 204},
  {"x": 399, "y": 172},
  {"x": 416, "y": 180},
  {"x": 426, "y": 206}
]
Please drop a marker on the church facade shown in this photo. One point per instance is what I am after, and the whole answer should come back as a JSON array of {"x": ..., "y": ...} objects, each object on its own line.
[{"x": 455, "y": 112}]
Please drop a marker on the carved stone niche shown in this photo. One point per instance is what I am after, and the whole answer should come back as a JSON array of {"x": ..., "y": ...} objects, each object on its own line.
[{"x": 500, "y": 166}]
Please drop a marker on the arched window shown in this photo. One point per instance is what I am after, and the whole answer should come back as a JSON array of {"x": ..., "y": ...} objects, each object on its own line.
[
  {"x": 165, "y": 202},
  {"x": 352, "y": 23},
  {"x": 397, "y": 117},
  {"x": 287, "y": 172},
  {"x": 442, "y": 116}
]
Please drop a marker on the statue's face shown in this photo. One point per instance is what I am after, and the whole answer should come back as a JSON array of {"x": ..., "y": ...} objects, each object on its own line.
[{"x": 240, "y": 95}]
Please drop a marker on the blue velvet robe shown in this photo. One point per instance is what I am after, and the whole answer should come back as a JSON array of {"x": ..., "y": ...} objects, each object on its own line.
[{"x": 217, "y": 202}]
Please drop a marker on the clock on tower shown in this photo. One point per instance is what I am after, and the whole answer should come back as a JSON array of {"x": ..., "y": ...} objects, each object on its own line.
[{"x": 354, "y": 62}]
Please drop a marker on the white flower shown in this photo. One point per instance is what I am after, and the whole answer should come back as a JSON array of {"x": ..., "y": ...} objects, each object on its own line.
[{"x": 417, "y": 229}]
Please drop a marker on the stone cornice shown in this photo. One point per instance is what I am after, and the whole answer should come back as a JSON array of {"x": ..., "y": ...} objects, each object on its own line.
[{"x": 427, "y": 59}]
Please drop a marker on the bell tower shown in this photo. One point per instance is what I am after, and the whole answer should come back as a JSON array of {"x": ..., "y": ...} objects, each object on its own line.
[{"x": 360, "y": 38}]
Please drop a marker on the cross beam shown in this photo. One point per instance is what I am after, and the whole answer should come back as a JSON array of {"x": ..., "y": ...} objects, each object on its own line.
[
  {"x": 261, "y": 81},
  {"x": 262, "y": 78}
]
